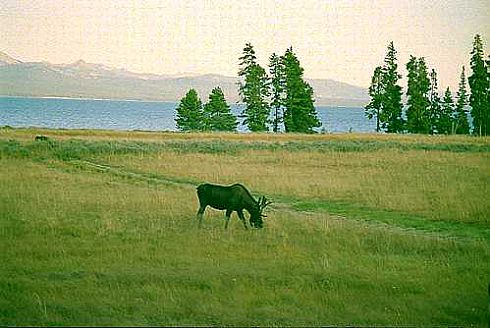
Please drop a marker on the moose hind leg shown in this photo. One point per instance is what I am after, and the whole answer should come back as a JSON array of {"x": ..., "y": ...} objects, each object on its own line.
[
  {"x": 242, "y": 218},
  {"x": 227, "y": 219},
  {"x": 200, "y": 214}
]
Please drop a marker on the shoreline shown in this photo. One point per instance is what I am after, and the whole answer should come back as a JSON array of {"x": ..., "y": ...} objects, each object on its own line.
[
  {"x": 146, "y": 101},
  {"x": 86, "y": 98}
]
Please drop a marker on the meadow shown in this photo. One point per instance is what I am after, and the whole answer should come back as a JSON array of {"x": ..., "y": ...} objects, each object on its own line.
[{"x": 99, "y": 228}]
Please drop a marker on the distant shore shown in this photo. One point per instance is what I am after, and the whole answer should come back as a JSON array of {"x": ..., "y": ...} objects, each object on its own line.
[
  {"x": 146, "y": 100},
  {"x": 88, "y": 98}
]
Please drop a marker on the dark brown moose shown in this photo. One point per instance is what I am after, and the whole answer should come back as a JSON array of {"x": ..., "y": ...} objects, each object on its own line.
[{"x": 231, "y": 198}]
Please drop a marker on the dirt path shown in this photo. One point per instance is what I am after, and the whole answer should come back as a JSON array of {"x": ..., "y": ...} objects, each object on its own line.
[{"x": 430, "y": 228}]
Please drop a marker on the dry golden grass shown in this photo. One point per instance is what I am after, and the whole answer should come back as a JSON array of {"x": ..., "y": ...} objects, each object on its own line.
[
  {"x": 30, "y": 133},
  {"x": 436, "y": 184}
]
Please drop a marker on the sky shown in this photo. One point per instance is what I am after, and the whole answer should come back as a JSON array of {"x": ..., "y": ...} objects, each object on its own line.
[{"x": 342, "y": 40}]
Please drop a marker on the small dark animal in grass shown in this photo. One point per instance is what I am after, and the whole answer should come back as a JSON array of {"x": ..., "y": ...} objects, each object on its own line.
[
  {"x": 41, "y": 138},
  {"x": 231, "y": 198}
]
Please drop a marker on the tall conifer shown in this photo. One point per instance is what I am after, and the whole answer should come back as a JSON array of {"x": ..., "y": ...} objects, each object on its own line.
[
  {"x": 435, "y": 103},
  {"x": 277, "y": 81},
  {"x": 479, "y": 82},
  {"x": 461, "y": 117},
  {"x": 254, "y": 91},
  {"x": 376, "y": 92},
  {"x": 300, "y": 114},
  {"x": 391, "y": 119},
  {"x": 418, "y": 118}
]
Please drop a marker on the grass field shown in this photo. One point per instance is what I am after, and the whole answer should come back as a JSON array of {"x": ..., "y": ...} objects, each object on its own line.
[{"x": 99, "y": 228}]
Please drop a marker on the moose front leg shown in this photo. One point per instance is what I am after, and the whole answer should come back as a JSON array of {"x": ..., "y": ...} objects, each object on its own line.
[
  {"x": 242, "y": 217},
  {"x": 228, "y": 214}
]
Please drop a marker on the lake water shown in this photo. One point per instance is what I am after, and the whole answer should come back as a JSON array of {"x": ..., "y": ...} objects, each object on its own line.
[{"x": 60, "y": 113}]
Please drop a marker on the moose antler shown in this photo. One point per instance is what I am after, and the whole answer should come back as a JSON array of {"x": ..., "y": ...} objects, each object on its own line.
[{"x": 263, "y": 203}]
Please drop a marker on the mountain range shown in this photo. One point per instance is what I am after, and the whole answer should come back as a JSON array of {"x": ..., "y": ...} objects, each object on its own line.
[{"x": 86, "y": 80}]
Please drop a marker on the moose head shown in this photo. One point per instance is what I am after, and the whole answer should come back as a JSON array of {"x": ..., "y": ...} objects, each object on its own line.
[{"x": 256, "y": 218}]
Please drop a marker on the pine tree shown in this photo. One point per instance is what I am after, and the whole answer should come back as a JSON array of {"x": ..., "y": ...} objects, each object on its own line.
[
  {"x": 412, "y": 92},
  {"x": 300, "y": 114},
  {"x": 277, "y": 81},
  {"x": 435, "y": 104},
  {"x": 247, "y": 60},
  {"x": 418, "y": 120},
  {"x": 445, "y": 122},
  {"x": 479, "y": 82},
  {"x": 376, "y": 92},
  {"x": 217, "y": 113},
  {"x": 189, "y": 112},
  {"x": 461, "y": 118},
  {"x": 391, "y": 103},
  {"x": 386, "y": 95},
  {"x": 254, "y": 91},
  {"x": 488, "y": 79}
]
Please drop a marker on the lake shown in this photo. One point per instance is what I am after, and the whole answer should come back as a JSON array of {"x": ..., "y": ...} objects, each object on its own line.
[{"x": 61, "y": 113}]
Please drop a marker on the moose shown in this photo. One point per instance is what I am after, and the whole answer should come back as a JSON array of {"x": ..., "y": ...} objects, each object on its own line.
[
  {"x": 41, "y": 138},
  {"x": 231, "y": 198}
]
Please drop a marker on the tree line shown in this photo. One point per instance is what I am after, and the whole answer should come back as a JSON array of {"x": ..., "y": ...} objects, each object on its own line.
[
  {"x": 278, "y": 100},
  {"x": 425, "y": 111}
]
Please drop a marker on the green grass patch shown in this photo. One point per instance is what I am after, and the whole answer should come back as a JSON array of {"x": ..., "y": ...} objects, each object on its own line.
[{"x": 395, "y": 218}]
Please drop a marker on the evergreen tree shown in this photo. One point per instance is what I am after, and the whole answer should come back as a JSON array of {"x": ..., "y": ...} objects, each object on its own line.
[
  {"x": 189, "y": 112},
  {"x": 276, "y": 71},
  {"x": 247, "y": 60},
  {"x": 254, "y": 91},
  {"x": 376, "y": 92},
  {"x": 435, "y": 104},
  {"x": 300, "y": 114},
  {"x": 412, "y": 93},
  {"x": 418, "y": 120},
  {"x": 445, "y": 122},
  {"x": 217, "y": 114},
  {"x": 479, "y": 82},
  {"x": 461, "y": 118},
  {"x": 391, "y": 102},
  {"x": 488, "y": 79}
]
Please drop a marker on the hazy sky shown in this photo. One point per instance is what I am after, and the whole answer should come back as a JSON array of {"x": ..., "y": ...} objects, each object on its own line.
[{"x": 342, "y": 40}]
